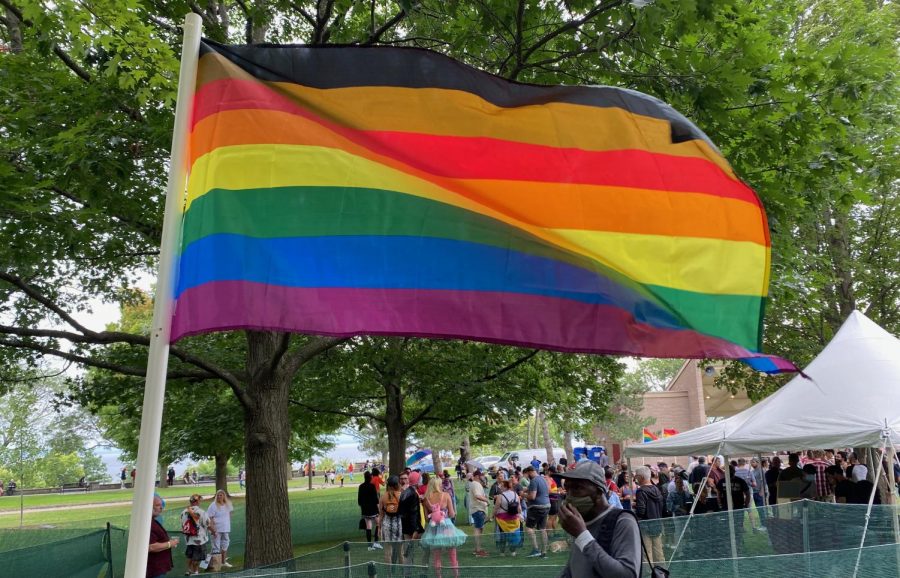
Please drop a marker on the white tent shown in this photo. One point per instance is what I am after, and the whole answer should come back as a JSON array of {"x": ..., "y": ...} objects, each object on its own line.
[{"x": 851, "y": 399}]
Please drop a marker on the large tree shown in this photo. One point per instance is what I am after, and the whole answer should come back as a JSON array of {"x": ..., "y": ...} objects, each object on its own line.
[
  {"x": 405, "y": 384},
  {"x": 85, "y": 114}
]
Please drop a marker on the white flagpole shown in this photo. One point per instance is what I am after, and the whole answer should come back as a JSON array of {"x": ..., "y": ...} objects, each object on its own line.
[{"x": 158, "y": 357}]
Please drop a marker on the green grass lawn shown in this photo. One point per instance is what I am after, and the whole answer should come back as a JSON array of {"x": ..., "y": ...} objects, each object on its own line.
[
  {"x": 81, "y": 502},
  {"x": 12, "y": 503}
]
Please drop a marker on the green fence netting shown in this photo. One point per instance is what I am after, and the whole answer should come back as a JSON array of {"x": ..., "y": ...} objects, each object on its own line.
[
  {"x": 803, "y": 538},
  {"x": 54, "y": 552}
]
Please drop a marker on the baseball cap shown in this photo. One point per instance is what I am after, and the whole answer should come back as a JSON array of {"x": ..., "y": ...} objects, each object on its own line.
[
  {"x": 588, "y": 471},
  {"x": 415, "y": 478}
]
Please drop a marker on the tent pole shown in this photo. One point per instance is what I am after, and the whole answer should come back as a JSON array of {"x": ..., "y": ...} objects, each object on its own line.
[
  {"x": 894, "y": 508},
  {"x": 730, "y": 502},
  {"x": 764, "y": 490},
  {"x": 691, "y": 513},
  {"x": 862, "y": 542}
]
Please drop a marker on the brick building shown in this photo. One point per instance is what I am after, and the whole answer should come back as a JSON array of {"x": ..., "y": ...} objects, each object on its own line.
[{"x": 690, "y": 400}]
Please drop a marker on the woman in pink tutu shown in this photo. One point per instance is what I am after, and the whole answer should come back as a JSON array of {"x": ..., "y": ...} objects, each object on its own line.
[{"x": 440, "y": 533}]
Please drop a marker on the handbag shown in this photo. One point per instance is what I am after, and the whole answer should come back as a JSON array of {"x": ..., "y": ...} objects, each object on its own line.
[{"x": 655, "y": 571}]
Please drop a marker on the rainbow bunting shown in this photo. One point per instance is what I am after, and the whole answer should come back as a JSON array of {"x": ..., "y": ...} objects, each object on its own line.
[
  {"x": 649, "y": 436},
  {"x": 395, "y": 191},
  {"x": 667, "y": 433}
]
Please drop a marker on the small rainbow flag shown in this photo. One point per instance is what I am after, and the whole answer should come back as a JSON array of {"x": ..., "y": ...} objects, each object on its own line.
[
  {"x": 667, "y": 433},
  {"x": 649, "y": 436},
  {"x": 394, "y": 191}
]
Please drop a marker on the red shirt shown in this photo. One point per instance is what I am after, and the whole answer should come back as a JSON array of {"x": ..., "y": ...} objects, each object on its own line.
[
  {"x": 612, "y": 486},
  {"x": 377, "y": 482},
  {"x": 158, "y": 563},
  {"x": 821, "y": 483}
]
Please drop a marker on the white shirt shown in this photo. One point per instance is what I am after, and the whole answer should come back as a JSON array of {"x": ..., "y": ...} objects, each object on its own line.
[{"x": 221, "y": 516}]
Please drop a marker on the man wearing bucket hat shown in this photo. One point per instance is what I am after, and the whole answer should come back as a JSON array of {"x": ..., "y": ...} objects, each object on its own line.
[{"x": 607, "y": 540}]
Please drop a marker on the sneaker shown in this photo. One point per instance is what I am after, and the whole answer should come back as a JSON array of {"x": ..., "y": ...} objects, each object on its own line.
[
  {"x": 513, "y": 553},
  {"x": 377, "y": 546},
  {"x": 371, "y": 548},
  {"x": 481, "y": 554},
  {"x": 227, "y": 565},
  {"x": 535, "y": 554}
]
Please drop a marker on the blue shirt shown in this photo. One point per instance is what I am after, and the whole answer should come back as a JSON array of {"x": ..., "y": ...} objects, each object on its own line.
[
  {"x": 536, "y": 464},
  {"x": 541, "y": 492},
  {"x": 614, "y": 500}
]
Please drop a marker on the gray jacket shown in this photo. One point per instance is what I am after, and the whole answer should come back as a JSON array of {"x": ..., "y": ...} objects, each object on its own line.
[{"x": 587, "y": 557}]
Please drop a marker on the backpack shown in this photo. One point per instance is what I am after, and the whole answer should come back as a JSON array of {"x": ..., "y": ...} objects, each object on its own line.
[
  {"x": 391, "y": 503},
  {"x": 512, "y": 508},
  {"x": 189, "y": 526}
]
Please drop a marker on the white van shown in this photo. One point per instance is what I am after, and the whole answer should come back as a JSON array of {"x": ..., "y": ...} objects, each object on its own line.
[{"x": 524, "y": 456}]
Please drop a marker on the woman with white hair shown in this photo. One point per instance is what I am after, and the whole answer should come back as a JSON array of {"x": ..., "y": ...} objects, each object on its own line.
[{"x": 220, "y": 512}]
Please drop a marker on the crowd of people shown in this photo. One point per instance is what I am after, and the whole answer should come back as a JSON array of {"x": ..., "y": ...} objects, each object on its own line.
[
  {"x": 528, "y": 506},
  {"x": 206, "y": 534},
  {"x": 543, "y": 508},
  {"x": 532, "y": 506}
]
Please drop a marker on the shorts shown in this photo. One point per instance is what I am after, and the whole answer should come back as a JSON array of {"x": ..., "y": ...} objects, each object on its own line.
[
  {"x": 196, "y": 552},
  {"x": 536, "y": 518},
  {"x": 554, "y": 507},
  {"x": 478, "y": 520},
  {"x": 391, "y": 529}
]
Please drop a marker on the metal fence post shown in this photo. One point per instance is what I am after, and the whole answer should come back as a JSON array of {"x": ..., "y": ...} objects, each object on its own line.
[
  {"x": 347, "y": 559},
  {"x": 373, "y": 570},
  {"x": 805, "y": 522},
  {"x": 109, "y": 556}
]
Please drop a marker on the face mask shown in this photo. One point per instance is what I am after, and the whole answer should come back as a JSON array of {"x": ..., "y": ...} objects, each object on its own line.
[{"x": 584, "y": 504}]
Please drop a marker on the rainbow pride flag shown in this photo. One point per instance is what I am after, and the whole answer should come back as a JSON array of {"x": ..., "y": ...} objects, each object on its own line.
[
  {"x": 667, "y": 433},
  {"x": 395, "y": 191},
  {"x": 649, "y": 436}
]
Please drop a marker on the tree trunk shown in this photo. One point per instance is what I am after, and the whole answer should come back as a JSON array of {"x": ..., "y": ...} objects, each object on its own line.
[
  {"x": 567, "y": 443},
  {"x": 14, "y": 26},
  {"x": 267, "y": 432},
  {"x": 436, "y": 460},
  {"x": 222, "y": 472},
  {"x": 545, "y": 432},
  {"x": 396, "y": 429},
  {"x": 528, "y": 431},
  {"x": 465, "y": 452},
  {"x": 886, "y": 485}
]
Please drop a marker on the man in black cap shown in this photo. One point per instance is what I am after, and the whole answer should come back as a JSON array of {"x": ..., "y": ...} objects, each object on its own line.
[{"x": 607, "y": 540}]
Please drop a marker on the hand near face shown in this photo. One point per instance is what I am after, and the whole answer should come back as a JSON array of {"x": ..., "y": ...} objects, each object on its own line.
[{"x": 571, "y": 520}]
